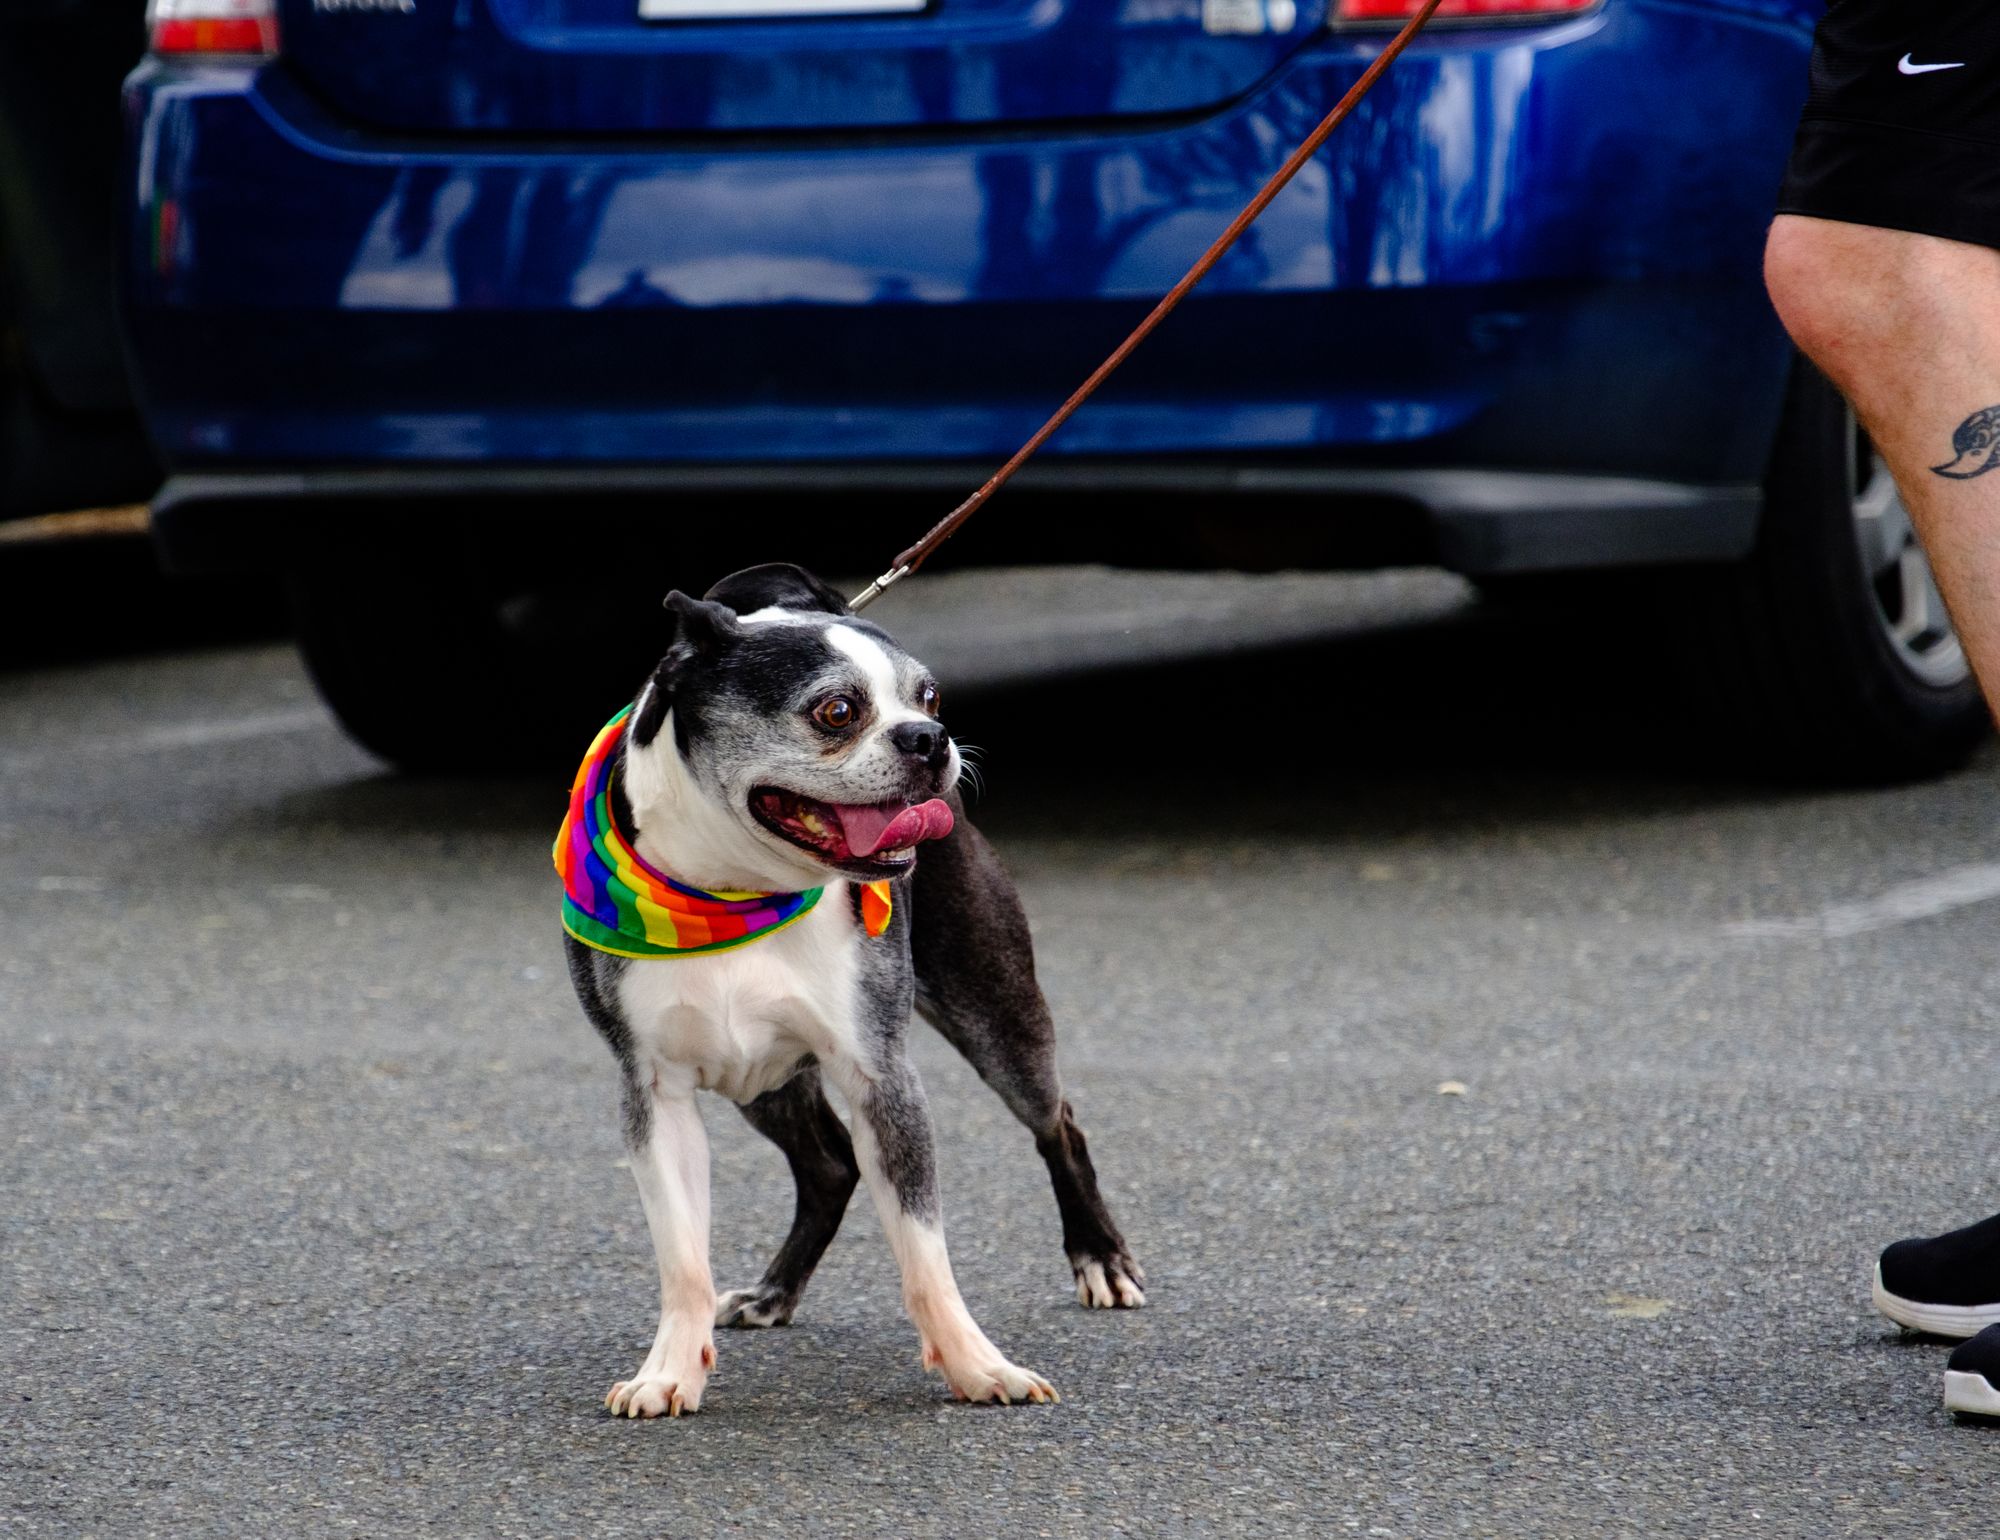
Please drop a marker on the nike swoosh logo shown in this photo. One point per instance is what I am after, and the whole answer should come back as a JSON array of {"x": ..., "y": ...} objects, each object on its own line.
[{"x": 1909, "y": 68}]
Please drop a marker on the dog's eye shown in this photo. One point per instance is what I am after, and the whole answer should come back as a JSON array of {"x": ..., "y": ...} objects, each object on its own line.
[
  {"x": 837, "y": 714},
  {"x": 929, "y": 698}
]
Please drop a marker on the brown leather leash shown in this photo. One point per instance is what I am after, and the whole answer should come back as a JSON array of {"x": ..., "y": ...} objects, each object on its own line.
[{"x": 945, "y": 528}]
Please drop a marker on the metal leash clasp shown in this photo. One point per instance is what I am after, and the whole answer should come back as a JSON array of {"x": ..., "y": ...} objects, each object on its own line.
[{"x": 876, "y": 589}]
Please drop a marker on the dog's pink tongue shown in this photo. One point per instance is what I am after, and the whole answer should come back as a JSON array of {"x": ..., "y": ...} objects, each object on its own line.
[{"x": 889, "y": 827}]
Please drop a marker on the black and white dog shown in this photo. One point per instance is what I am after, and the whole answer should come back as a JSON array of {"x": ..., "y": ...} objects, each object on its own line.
[{"x": 776, "y": 748}]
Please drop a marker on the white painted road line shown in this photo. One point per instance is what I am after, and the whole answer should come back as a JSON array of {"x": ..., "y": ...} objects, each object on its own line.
[
  {"x": 1903, "y": 904},
  {"x": 266, "y": 724}
]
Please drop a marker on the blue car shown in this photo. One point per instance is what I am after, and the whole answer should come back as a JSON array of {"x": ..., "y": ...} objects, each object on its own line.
[{"x": 456, "y": 314}]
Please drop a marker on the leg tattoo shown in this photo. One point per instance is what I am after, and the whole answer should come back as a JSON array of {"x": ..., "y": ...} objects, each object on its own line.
[{"x": 1976, "y": 446}]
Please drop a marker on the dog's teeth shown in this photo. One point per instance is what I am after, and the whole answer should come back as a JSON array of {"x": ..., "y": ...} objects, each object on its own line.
[{"x": 811, "y": 821}]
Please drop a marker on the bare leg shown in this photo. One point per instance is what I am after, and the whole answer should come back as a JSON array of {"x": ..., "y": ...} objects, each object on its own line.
[
  {"x": 892, "y": 1138},
  {"x": 670, "y": 1161},
  {"x": 1908, "y": 327}
]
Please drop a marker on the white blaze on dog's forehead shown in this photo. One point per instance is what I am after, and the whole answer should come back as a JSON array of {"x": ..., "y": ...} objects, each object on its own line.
[
  {"x": 771, "y": 615},
  {"x": 873, "y": 661}
]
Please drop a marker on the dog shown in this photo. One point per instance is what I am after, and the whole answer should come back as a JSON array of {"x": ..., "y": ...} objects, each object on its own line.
[{"x": 747, "y": 910}]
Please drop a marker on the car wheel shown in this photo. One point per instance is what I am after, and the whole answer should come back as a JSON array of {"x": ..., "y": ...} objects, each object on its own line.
[
  {"x": 1829, "y": 648},
  {"x": 438, "y": 659},
  {"x": 395, "y": 663}
]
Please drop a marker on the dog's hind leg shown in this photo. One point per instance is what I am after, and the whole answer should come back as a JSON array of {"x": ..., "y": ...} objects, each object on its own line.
[
  {"x": 797, "y": 1118},
  {"x": 669, "y": 1153},
  {"x": 975, "y": 966}
]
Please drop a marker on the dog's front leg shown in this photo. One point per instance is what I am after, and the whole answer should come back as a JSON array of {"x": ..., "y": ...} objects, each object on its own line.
[
  {"x": 893, "y": 1143},
  {"x": 670, "y": 1160}
]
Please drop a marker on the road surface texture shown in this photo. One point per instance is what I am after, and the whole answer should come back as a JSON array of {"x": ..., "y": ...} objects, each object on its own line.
[{"x": 316, "y": 1223}]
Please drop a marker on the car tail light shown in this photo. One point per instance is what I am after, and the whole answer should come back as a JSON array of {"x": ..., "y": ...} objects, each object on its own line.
[
  {"x": 1459, "y": 10},
  {"x": 213, "y": 26}
]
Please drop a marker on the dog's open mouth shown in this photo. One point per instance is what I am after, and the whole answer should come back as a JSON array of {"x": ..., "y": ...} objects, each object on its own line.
[{"x": 881, "y": 836}]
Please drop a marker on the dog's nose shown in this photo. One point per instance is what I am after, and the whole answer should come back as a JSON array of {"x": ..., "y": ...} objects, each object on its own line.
[{"x": 919, "y": 740}]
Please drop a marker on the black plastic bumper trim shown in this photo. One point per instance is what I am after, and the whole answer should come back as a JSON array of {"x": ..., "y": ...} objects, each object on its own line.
[{"x": 1485, "y": 522}]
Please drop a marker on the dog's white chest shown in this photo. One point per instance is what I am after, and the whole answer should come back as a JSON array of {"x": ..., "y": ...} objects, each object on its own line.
[{"x": 739, "y": 1022}]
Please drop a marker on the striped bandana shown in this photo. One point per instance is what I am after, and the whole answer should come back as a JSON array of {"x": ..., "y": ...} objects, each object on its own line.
[{"x": 615, "y": 902}]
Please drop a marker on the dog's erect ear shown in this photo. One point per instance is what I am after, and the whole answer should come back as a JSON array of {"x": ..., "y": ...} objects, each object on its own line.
[
  {"x": 778, "y": 585},
  {"x": 700, "y": 626},
  {"x": 699, "y": 630}
]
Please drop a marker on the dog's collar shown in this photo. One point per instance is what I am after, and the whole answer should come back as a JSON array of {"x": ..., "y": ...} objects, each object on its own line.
[{"x": 617, "y": 903}]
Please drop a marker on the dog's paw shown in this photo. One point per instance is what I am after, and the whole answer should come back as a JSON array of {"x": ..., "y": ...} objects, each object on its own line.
[
  {"x": 764, "y": 1305},
  {"x": 653, "y": 1396},
  {"x": 1112, "y": 1282},
  {"x": 996, "y": 1380},
  {"x": 656, "y": 1392}
]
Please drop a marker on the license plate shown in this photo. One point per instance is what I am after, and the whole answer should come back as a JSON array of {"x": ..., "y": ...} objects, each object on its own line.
[{"x": 738, "y": 10}]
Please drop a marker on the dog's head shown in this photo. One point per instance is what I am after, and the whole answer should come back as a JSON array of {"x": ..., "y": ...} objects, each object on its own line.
[{"x": 781, "y": 739}]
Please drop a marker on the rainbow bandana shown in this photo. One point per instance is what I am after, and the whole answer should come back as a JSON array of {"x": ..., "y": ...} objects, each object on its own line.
[{"x": 615, "y": 902}]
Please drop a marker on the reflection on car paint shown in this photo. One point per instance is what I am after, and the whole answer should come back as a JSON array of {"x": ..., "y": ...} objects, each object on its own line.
[{"x": 1528, "y": 240}]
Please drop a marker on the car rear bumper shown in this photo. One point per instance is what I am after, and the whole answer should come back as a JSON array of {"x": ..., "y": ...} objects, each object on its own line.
[
  {"x": 1481, "y": 522},
  {"x": 1534, "y": 251}
]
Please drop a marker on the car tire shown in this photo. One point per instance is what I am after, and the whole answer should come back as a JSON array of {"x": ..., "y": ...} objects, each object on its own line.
[
  {"x": 1828, "y": 649},
  {"x": 440, "y": 660},
  {"x": 402, "y": 663}
]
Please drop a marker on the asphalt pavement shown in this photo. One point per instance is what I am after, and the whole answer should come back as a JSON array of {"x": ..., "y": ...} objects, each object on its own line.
[{"x": 1506, "y": 1104}]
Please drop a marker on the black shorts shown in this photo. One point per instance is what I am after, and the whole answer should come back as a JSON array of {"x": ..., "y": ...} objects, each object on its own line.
[{"x": 1903, "y": 126}]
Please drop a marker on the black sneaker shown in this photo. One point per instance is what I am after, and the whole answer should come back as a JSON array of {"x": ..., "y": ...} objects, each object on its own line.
[
  {"x": 1971, "y": 1375},
  {"x": 1948, "y": 1286}
]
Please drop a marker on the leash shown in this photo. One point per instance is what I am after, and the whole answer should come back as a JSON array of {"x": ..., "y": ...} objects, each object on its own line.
[{"x": 945, "y": 528}]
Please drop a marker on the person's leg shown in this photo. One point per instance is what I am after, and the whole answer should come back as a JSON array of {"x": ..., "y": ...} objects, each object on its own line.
[
  {"x": 1908, "y": 327},
  {"x": 1884, "y": 265}
]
